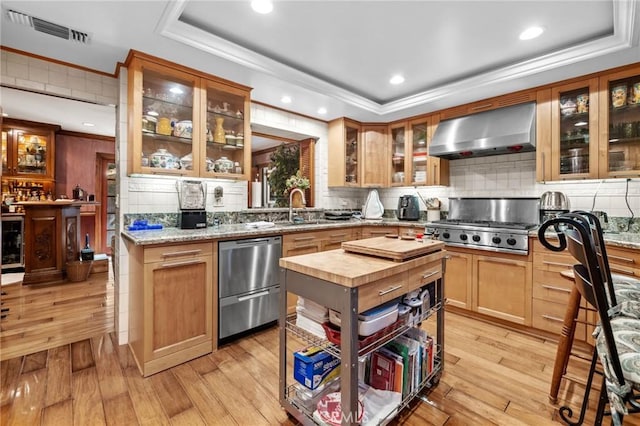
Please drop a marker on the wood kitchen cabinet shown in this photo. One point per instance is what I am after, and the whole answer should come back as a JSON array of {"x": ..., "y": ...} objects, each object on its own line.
[
  {"x": 619, "y": 119},
  {"x": 28, "y": 150},
  {"x": 437, "y": 172},
  {"x": 171, "y": 301},
  {"x": 344, "y": 153},
  {"x": 377, "y": 231},
  {"x": 374, "y": 158},
  {"x": 458, "y": 290},
  {"x": 184, "y": 122},
  {"x": 489, "y": 104},
  {"x": 500, "y": 284}
]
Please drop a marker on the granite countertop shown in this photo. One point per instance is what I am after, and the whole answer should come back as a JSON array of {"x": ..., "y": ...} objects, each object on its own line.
[
  {"x": 176, "y": 235},
  {"x": 618, "y": 239}
]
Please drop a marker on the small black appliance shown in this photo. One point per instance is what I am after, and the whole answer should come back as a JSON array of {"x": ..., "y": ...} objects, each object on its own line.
[
  {"x": 192, "y": 195},
  {"x": 408, "y": 208}
]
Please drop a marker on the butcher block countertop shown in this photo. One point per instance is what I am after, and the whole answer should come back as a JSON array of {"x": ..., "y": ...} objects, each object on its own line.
[{"x": 355, "y": 269}]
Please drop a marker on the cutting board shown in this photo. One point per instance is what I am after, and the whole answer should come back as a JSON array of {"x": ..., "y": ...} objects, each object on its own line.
[{"x": 395, "y": 249}]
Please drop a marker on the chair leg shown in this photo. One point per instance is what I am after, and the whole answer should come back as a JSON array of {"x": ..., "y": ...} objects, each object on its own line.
[
  {"x": 566, "y": 413},
  {"x": 565, "y": 343}
]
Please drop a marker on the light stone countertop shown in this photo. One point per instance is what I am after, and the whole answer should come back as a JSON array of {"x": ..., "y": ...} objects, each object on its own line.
[
  {"x": 629, "y": 240},
  {"x": 176, "y": 235}
]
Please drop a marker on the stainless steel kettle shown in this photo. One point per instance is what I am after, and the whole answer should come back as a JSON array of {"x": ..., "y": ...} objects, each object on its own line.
[{"x": 554, "y": 200}]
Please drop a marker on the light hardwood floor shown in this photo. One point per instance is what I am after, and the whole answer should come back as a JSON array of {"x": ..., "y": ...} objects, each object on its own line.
[{"x": 61, "y": 365}]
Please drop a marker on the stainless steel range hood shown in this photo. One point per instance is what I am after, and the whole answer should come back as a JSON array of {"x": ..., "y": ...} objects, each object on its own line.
[{"x": 501, "y": 131}]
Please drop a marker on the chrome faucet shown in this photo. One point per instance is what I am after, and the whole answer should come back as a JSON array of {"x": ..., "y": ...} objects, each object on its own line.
[{"x": 291, "y": 202}]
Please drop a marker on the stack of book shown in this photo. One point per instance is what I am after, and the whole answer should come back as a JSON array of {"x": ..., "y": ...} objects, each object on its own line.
[{"x": 404, "y": 363}]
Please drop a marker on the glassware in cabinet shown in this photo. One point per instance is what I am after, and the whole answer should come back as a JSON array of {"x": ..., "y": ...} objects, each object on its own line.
[
  {"x": 399, "y": 153},
  {"x": 621, "y": 149},
  {"x": 574, "y": 130},
  {"x": 27, "y": 152},
  {"x": 226, "y": 131},
  {"x": 419, "y": 152},
  {"x": 167, "y": 124}
]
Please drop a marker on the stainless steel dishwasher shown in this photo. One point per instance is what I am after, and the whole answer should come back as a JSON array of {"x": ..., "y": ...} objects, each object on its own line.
[{"x": 248, "y": 283}]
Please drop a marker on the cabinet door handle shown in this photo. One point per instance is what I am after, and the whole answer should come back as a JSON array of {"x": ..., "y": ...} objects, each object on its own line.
[
  {"x": 622, "y": 259},
  {"x": 550, "y": 318},
  {"x": 544, "y": 177},
  {"x": 303, "y": 238},
  {"x": 557, "y": 264},
  {"x": 429, "y": 274},
  {"x": 182, "y": 253},
  {"x": 625, "y": 271},
  {"x": 483, "y": 106},
  {"x": 389, "y": 290},
  {"x": 435, "y": 168},
  {"x": 253, "y": 296},
  {"x": 338, "y": 235},
  {"x": 305, "y": 246},
  {"x": 550, "y": 287},
  {"x": 186, "y": 262}
]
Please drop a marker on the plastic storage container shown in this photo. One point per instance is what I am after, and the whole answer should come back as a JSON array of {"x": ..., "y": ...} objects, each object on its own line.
[{"x": 372, "y": 320}]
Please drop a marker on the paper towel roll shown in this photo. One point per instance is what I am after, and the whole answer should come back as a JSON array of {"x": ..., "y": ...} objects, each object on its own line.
[{"x": 256, "y": 194}]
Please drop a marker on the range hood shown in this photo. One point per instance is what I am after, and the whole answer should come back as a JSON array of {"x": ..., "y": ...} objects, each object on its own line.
[{"x": 500, "y": 131}]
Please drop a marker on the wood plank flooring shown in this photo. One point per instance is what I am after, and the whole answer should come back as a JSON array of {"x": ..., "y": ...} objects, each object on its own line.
[{"x": 61, "y": 365}]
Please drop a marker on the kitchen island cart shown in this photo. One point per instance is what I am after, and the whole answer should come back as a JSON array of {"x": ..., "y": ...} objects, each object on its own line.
[{"x": 348, "y": 281}]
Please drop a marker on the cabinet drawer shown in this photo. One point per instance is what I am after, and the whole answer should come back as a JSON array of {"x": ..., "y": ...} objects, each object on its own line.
[
  {"x": 622, "y": 261},
  {"x": 551, "y": 286},
  {"x": 334, "y": 238},
  {"x": 378, "y": 292},
  {"x": 177, "y": 252},
  {"x": 386, "y": 289},
  {"x": 302, "y": 241},
  {"x": 553, "y": 261},
  {"x": 549, "y": 316}
]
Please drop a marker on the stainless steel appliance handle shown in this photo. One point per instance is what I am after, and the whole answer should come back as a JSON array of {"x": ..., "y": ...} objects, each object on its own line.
[
  {"x": 389, "y": 290},
  {"x": 252, "y": 241},
  {"x": 253, "y": 296}
]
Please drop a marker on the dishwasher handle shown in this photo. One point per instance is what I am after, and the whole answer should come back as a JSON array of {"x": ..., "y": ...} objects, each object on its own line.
[{"x": 254, "y": 241}]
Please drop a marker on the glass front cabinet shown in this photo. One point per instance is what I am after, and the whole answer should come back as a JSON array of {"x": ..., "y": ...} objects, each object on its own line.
[
  {"x": 185, "y": 123},
  {"x": 27, "y": 152},
  {"x": 344, "y": 153},
  {"x": 400, "y": 156},
  {"x": 574, "y": 130},
  {"x": 620, "y": 124}
]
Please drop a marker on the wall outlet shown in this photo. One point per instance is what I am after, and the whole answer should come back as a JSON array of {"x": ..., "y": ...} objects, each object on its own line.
[{"x": 218, "y": 202}]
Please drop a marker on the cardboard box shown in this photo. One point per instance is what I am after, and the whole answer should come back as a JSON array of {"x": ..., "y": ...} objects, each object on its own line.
[{"x": 312, "y": 366}]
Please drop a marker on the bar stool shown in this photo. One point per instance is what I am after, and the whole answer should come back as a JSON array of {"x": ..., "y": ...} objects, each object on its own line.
[{"x": 567, "y": 334}]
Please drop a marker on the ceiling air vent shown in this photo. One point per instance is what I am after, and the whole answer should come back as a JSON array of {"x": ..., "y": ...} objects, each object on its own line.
[{"x": 48, "y": 27}]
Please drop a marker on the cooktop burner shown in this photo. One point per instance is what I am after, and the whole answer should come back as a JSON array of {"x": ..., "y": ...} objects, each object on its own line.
[{"x": 485, "y": 224}]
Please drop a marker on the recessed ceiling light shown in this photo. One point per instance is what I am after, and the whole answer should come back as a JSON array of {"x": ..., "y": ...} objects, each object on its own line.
[
  {"x": 322, "y": 111},
  {"x": 86, "y": 123},
  {"x": 286, "y": 99},
  {"x": 531, "y": 32},
  {"x": 397, "y": 79},
  {"x": 262, "y": 6},
  {"x": 176, "y": 90}
]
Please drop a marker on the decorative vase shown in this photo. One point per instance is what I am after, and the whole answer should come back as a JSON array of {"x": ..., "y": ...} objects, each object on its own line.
[
  {"x": 296, "y": 201},
  {"x": 218, "y": 133}
]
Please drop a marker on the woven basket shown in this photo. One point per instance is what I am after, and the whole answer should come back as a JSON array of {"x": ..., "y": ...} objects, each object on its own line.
[{"x": 78, "y": 270}]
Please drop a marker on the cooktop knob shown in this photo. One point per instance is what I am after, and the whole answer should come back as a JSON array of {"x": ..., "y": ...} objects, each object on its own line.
[
  {"x": 463, "y": 237},
  {"x": 496, "y": 240},
  {"x": 445, "y": 235},
  {"x": 476, "y": 238},
  {"x": 511, "y": 241}
]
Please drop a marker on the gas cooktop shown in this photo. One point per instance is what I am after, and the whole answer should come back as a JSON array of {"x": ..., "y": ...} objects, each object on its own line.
[{"x": 483, "y": 224}]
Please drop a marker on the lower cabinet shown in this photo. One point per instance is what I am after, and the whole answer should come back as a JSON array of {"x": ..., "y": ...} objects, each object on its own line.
[
  {"x": 459, "y": 279},
  {"x": 171, "y": 304},
  {"x": 377, "y": 231},
  {"x": 496, "y": 284}
]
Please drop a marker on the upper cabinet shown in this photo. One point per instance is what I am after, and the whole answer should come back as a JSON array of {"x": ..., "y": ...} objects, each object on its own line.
[
  {"x": 574, "y": 130},
  {"x": 374, "y": 158},
  {"x": 619, "y": 117},
  {"x": 344, "y": 153},
  {"x": 186, "y": 123},
  {"x": 28, "y": 151},
  {"x": 400, "y": 154}
]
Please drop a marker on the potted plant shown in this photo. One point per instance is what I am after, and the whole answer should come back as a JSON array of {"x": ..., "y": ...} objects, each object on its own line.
[{"x": 296, "y": 181}]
